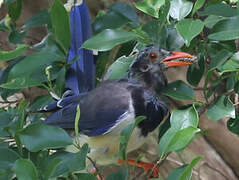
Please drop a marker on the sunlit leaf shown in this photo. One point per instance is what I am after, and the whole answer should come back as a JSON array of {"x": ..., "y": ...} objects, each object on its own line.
[
  {"x": 180, "y": 9},
  {"x": 223, "y": 107},
  {"x": 8, "y": 55},
  {"x": 179, "y": 90},
  {"x": 184, "y": 172},
  {"x": 189, "y": 28},
  {"x": 107, "y": 39},
  {"x": 150, "y": 7},
  {"x": 220, "y": 9},
  {"x": 198, "y": 4}
]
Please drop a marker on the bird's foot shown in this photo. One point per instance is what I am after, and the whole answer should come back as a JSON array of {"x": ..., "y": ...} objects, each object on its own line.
[{"x": 151, "y": 168}]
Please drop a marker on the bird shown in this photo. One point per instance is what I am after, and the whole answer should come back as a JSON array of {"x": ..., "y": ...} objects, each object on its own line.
[{"x": 107, "y": 109}]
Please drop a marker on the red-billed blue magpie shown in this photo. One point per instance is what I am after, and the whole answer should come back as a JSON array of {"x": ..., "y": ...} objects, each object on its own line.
[{"x": 109, "y": 108}]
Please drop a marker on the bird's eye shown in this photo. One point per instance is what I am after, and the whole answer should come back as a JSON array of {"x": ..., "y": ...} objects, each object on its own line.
[
  {"x": 144, "y": 68},
  {"x": 153, "y": 56}
]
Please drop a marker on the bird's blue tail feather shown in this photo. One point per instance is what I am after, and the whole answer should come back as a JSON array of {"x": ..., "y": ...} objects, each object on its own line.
[{"x": 81, "y": 75}]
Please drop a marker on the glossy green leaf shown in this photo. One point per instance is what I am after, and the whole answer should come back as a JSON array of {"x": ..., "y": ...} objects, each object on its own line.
[
  {"x": 125, "y": 10},
  {"x": 118, "y": 175},
  {"x": 189, "y": 28},
  {"x": 180, "y": 9},
  {"x": 223, "y": 107},
  {"x": 125, "y": 136},
  {"x": 179, "y": 90},
  {"x": 70, "y": 161},
  {"x": 231, "y": 65},
  {"x": 233, "y": 125},
  {"x": 111, "y": 20},
  {"x": 39, "y": 19},
  {"x": 84, "y": 176},
  {"x": 119, "y": 68},
  {"x": 150, "y": 7},
  {"x": 226, "y": 29},
  {"x": 225, "y": 35},
  {"x": 7, "y": 157},
  {"x": 59, "y": 19},
  {"x": 25, "y": 170},
  {"x": 198, "y": 4},
  {"x": 211, "y": 20},
  {"x": 180, "y": 119},
  {"x": 184, "y": 172},
  {"x": 50, "y": 167},
  {"x": 220, "y": 9},
  {"x": 8, "y": 55},
  {"x": 107, "y": 39},
  {"x": 219, "y": 58},
  {"x": 14, "y": 9},
  {"x": 181, "y": 139},
  {"x": 195, "y": 72},
  {"x": 41, "y": 101},
  {"x": 16, "y": 36},
  {"x": 38, "y": 136}
]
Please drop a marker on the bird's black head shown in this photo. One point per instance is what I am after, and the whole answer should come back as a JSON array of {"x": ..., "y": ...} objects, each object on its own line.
[{"x": 150, "y": 63}]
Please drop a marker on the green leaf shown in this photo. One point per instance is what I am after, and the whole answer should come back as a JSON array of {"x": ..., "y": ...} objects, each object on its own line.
[
  {"x": 219, "y": 58},
  {"x": 17, "y": 36},
  {"x": 233, "y": 125},
  {"x": 198, "y": 4},
  {"x": 223, "y": 107},
  {"x": 8, "y": 55},
  {"x": 111, "y": 20},
  {"x": 225, "y": 35},
  {"x": 14, "y": 9},
  {"x": 183, "y": 172},
  {"x": 70, "y": 161},
  {"x": 195, "y": 73},
  {"x": 226, "y": 29},
  {"x": 189, "y": 28},
  {"x": 184, "y": 118},
  {"x": 220, "y": 9},
  {"x": 211, "y": 20},
  {"x": 50, "y": 167},
  {"x": 119, "y": 68},
  {"x": 179, "y": 90},
  {"x": 38, "y": 136},
  {"x": 180, "y": 9},
  {"x": 231, "y": 65},
  {"x": 125, "y": 136},
  {"x": 107, "y": 39},
  {"x": 25, "y": 170},
  {"x": 119, "y": 175},
  {"x": 59, "y": 19},
  {"x": 41, "y": 101},
  {"x": 7, "y": 158},
  {"x": 39, "y": 19},
  {"x": 84, "y": 176},
  {"x": 125, "y": 10},
  {"x": 150, "y": 7},
  {"x": 181, "y": 139},
  {"x": 179, "y": 121}
]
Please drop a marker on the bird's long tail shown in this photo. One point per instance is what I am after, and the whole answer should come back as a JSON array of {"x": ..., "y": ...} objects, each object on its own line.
[{"x": 81, "y": 75}]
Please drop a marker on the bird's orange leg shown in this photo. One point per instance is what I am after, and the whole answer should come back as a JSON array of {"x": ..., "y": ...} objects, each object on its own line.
[{"x": 148, "y": 167}]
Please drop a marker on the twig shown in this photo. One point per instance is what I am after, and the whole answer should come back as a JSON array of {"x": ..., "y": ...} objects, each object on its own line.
[
  {"x": 96, "y": 168},
  {"x": 9, "y": 102}
]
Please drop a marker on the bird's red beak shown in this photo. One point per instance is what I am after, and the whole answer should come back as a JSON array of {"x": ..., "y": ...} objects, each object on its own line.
[{"x": 179, "y": 59}]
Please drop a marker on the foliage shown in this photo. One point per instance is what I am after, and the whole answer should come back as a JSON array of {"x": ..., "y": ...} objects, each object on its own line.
[{"x": 206, "y": 28}]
